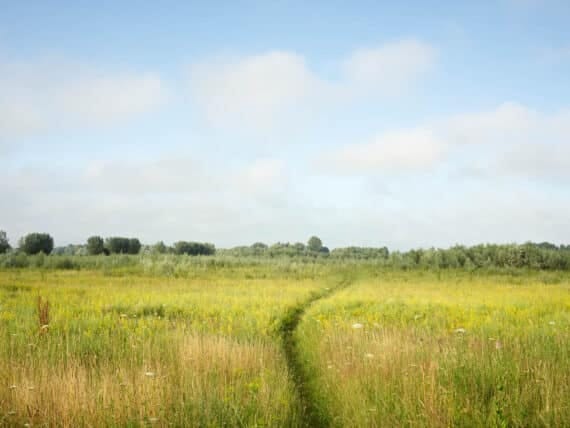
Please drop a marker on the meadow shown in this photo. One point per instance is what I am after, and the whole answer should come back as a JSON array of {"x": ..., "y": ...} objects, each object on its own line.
[
  {"x": 209, "y": 342},
  {"x": 442, "y": 349}
]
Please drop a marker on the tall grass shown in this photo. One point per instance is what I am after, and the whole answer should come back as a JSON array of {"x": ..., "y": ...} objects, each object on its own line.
[
  {"x": 202, "y": 342},
  {"x": 132, "y": 350},
  {"x": 452, "y": 349}
]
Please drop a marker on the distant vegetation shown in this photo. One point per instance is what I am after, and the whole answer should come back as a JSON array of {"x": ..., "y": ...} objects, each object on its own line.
[
  {"x": 36, "y": 243},
  {"x": 194, "y": 248},
  {"x": 4, "y": 244},
  {"x": 118, "y": 245},
  {"x": 545, "y": 255}
]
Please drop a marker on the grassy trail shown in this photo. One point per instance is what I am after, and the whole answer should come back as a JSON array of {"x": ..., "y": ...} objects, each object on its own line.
[{"x": 313, "y": 413}]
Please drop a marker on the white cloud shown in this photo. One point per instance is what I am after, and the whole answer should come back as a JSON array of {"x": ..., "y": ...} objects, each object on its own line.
[
  {"x": 166, "y": 175},
  {"x": 388, "y": 67},
  {"x": 389, "y": 152},
  {"x": 509, "y": 140},
  {"x": 19, "y": 119},
  {"x": 516, "y": 140},
  {"x": 111, "y": 98},
  {"x": 40, "y": 97},
  {"x": 263, "y": 90},
  {"x": 543, "y": 160},
  {"x": 179, "y": 174},
  {"x": 507, "y": 123},
  {"x": 263, "y": 175},
  {"x": 254, "y": 90}
]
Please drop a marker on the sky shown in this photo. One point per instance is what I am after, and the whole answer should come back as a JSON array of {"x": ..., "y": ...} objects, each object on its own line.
[{"x": 374, "y": 123}]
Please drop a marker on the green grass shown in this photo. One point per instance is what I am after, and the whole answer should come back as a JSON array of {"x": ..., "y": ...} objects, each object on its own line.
[
  {"x": 216, "y": 343},
  {"x": 445, "y": 349},
  {"x": 128, "y": 349}
]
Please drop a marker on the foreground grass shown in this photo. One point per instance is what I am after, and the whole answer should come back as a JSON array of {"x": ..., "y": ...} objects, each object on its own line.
[
  {"x": 132, "y": 350},
  {"x": 284, "y": 345},
  {"x": 443, "y": 349}
]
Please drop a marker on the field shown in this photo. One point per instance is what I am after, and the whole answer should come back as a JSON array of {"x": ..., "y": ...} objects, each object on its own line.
[{"x": 283, "y": 343}]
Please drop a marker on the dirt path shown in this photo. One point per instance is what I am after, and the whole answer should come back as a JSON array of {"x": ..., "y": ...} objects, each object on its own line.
[{"x": 313, "y": 414}]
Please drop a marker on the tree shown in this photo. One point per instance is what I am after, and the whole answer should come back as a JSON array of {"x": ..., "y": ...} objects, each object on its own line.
[
  {"x": 299, "y": 247},
  {"x": 194, "y": 248},
  {"x": 314, "y": 244},
  {"x": 95, "y": 245},
  {"x": 4, "y": 244},
  {"x": 134, "y": 246},
  {"x": 117, "y": 245},
  {"x": 159, "y": 248},
  {"x": 259, "y": 246},
  {"x": 35, "y": 243}
]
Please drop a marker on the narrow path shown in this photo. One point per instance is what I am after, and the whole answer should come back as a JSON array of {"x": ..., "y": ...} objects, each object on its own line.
[{"x": 312, "y": 415}]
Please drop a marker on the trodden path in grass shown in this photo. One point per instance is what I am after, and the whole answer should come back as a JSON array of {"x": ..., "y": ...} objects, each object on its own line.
[{"x": 313, "y": 413}]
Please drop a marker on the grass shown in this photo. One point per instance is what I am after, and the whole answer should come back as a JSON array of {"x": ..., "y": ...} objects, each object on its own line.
[
  {"x": 283, "y": 345},
  {"x": 446, "y": 349},
  {"x": 129, "y": 350}
]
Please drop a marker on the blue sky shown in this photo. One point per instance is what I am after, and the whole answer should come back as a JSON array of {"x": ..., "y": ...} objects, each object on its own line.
[{"x": 366, "y": 123}]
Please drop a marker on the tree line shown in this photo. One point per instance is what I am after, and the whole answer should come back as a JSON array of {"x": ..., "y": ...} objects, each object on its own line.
[
  {"x": 544, "y": 255},
  {"x": 36, "y": 243}
]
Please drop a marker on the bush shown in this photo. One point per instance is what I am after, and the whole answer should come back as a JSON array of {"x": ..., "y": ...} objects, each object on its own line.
[
  {"x": 14, "y": 260},
  {"x": 65, "y": 263}
]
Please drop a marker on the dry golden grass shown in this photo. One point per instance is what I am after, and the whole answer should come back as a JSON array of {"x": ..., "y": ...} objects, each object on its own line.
[{"x": 209, "y": 380}]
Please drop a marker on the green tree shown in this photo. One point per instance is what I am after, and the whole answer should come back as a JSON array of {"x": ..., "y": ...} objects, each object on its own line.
[
  {"x": 120, "y": 245},
  {"x": 159, "y": 248},
  {"x": 95, "y": 245},
  {"x": 194, "y": 248},
  {"x": 117, "y": 245},
  {"x": 134, "y": 246},
  {"x": 314, "y": 244},
  {"x": 4, "y": 244},
  {"x": 35, "y": 243}
]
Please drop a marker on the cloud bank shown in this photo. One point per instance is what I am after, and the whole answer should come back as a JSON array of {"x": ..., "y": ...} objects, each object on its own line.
[
  {"x": 261, "y": 90},
  {"x": 42, "y": 97}
]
